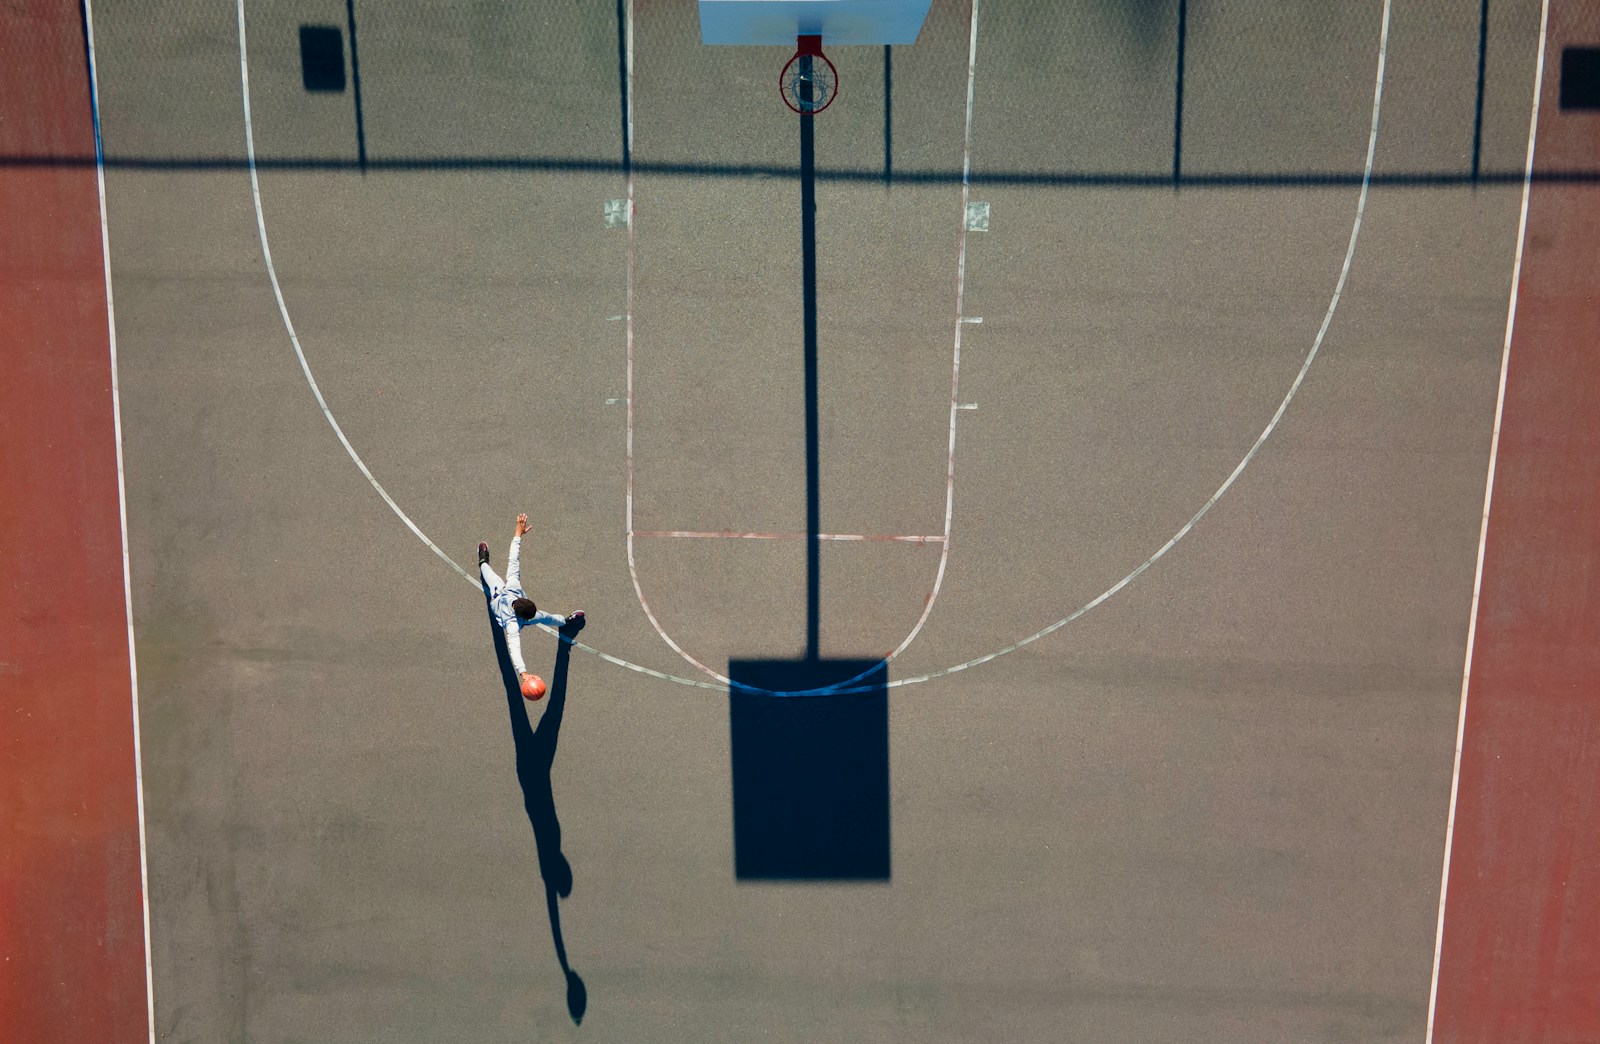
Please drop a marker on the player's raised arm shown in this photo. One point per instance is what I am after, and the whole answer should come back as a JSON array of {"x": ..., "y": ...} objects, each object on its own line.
[{"x": 514, "y": 556}]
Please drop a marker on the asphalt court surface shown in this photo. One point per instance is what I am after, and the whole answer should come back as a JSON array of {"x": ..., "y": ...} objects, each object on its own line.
[{"x": 1211, "y": 808}]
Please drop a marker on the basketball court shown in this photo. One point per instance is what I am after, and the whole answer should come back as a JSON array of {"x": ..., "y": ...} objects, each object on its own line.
[{"x": 1030, "y": 518}]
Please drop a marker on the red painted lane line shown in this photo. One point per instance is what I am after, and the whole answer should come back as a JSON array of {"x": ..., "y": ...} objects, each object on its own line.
[
  {"x": 71, "y": 904},
  {"x": 731, "y": 534},
  {"x": 1521, "y": 944}
]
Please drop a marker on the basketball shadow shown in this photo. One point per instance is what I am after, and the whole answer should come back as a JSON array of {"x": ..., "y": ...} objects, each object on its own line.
[{"x": 536, "y": 752}]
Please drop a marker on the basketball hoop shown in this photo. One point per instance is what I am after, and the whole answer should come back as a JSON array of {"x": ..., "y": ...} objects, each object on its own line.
[{"x": 809, "y": 82}]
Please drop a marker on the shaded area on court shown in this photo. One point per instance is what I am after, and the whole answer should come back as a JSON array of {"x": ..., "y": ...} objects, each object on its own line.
[
  {"x": 810, "y": 773},
  {"x": 1150, "y": 22}
]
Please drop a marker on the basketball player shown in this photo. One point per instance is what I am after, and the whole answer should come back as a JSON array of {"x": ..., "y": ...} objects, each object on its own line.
[{"x": 513, "y": 609}]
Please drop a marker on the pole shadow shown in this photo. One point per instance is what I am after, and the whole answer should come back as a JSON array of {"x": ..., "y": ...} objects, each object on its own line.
[{"x": 536, "y": 752}]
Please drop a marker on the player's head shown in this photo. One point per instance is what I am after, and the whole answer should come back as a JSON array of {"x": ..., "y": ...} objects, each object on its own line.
[{"x": 524, "y": 608}]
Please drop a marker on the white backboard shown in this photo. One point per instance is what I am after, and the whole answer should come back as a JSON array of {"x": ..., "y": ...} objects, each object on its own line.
[{"x": 839, "y": 22}]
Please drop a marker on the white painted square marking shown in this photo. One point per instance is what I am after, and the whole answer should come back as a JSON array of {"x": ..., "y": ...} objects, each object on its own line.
[
  {"x": 977, "y": 217},
  {"x": 616, "y": 213}
]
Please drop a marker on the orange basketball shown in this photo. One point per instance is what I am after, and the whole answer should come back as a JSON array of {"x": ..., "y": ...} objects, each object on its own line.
[{"x": 532, "y": 687}]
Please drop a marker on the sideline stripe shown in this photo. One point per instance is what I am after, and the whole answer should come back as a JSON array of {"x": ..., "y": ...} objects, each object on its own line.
[
  {"x": 122, "y": 511},
  {"x": 1483, "y": 530}
]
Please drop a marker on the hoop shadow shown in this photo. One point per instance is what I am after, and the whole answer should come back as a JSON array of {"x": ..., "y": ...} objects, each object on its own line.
[{"x": 536, "y": 752}]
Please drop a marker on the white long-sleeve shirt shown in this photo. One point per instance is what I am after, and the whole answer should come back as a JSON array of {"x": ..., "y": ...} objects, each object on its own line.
[{"x": 502, "y": 593}]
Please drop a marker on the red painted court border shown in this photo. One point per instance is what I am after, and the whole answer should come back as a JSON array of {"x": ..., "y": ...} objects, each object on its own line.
[
  {"x": 72, "y": 916},
  {"x": 1520, "y": 937}
]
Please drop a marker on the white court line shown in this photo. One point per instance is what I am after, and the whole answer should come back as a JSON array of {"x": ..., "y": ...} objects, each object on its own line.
[
  {"x": 122, "y": 514},
  {"x": 1355, "y": 230},
  {"x": 1483, "y": 529},
  {"x": 729, "y": 534}
]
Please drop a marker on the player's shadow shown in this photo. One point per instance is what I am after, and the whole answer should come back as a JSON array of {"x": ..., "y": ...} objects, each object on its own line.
[{"x": 536, "y": 752}]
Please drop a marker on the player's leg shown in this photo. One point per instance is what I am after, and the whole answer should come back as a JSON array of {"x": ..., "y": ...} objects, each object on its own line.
[
  {"x": 572, "y": 623},
  {"x": 491, "y": 580}
]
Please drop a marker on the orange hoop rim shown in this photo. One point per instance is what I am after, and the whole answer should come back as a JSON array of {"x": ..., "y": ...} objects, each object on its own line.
[{"x": 809, "y": 45}]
